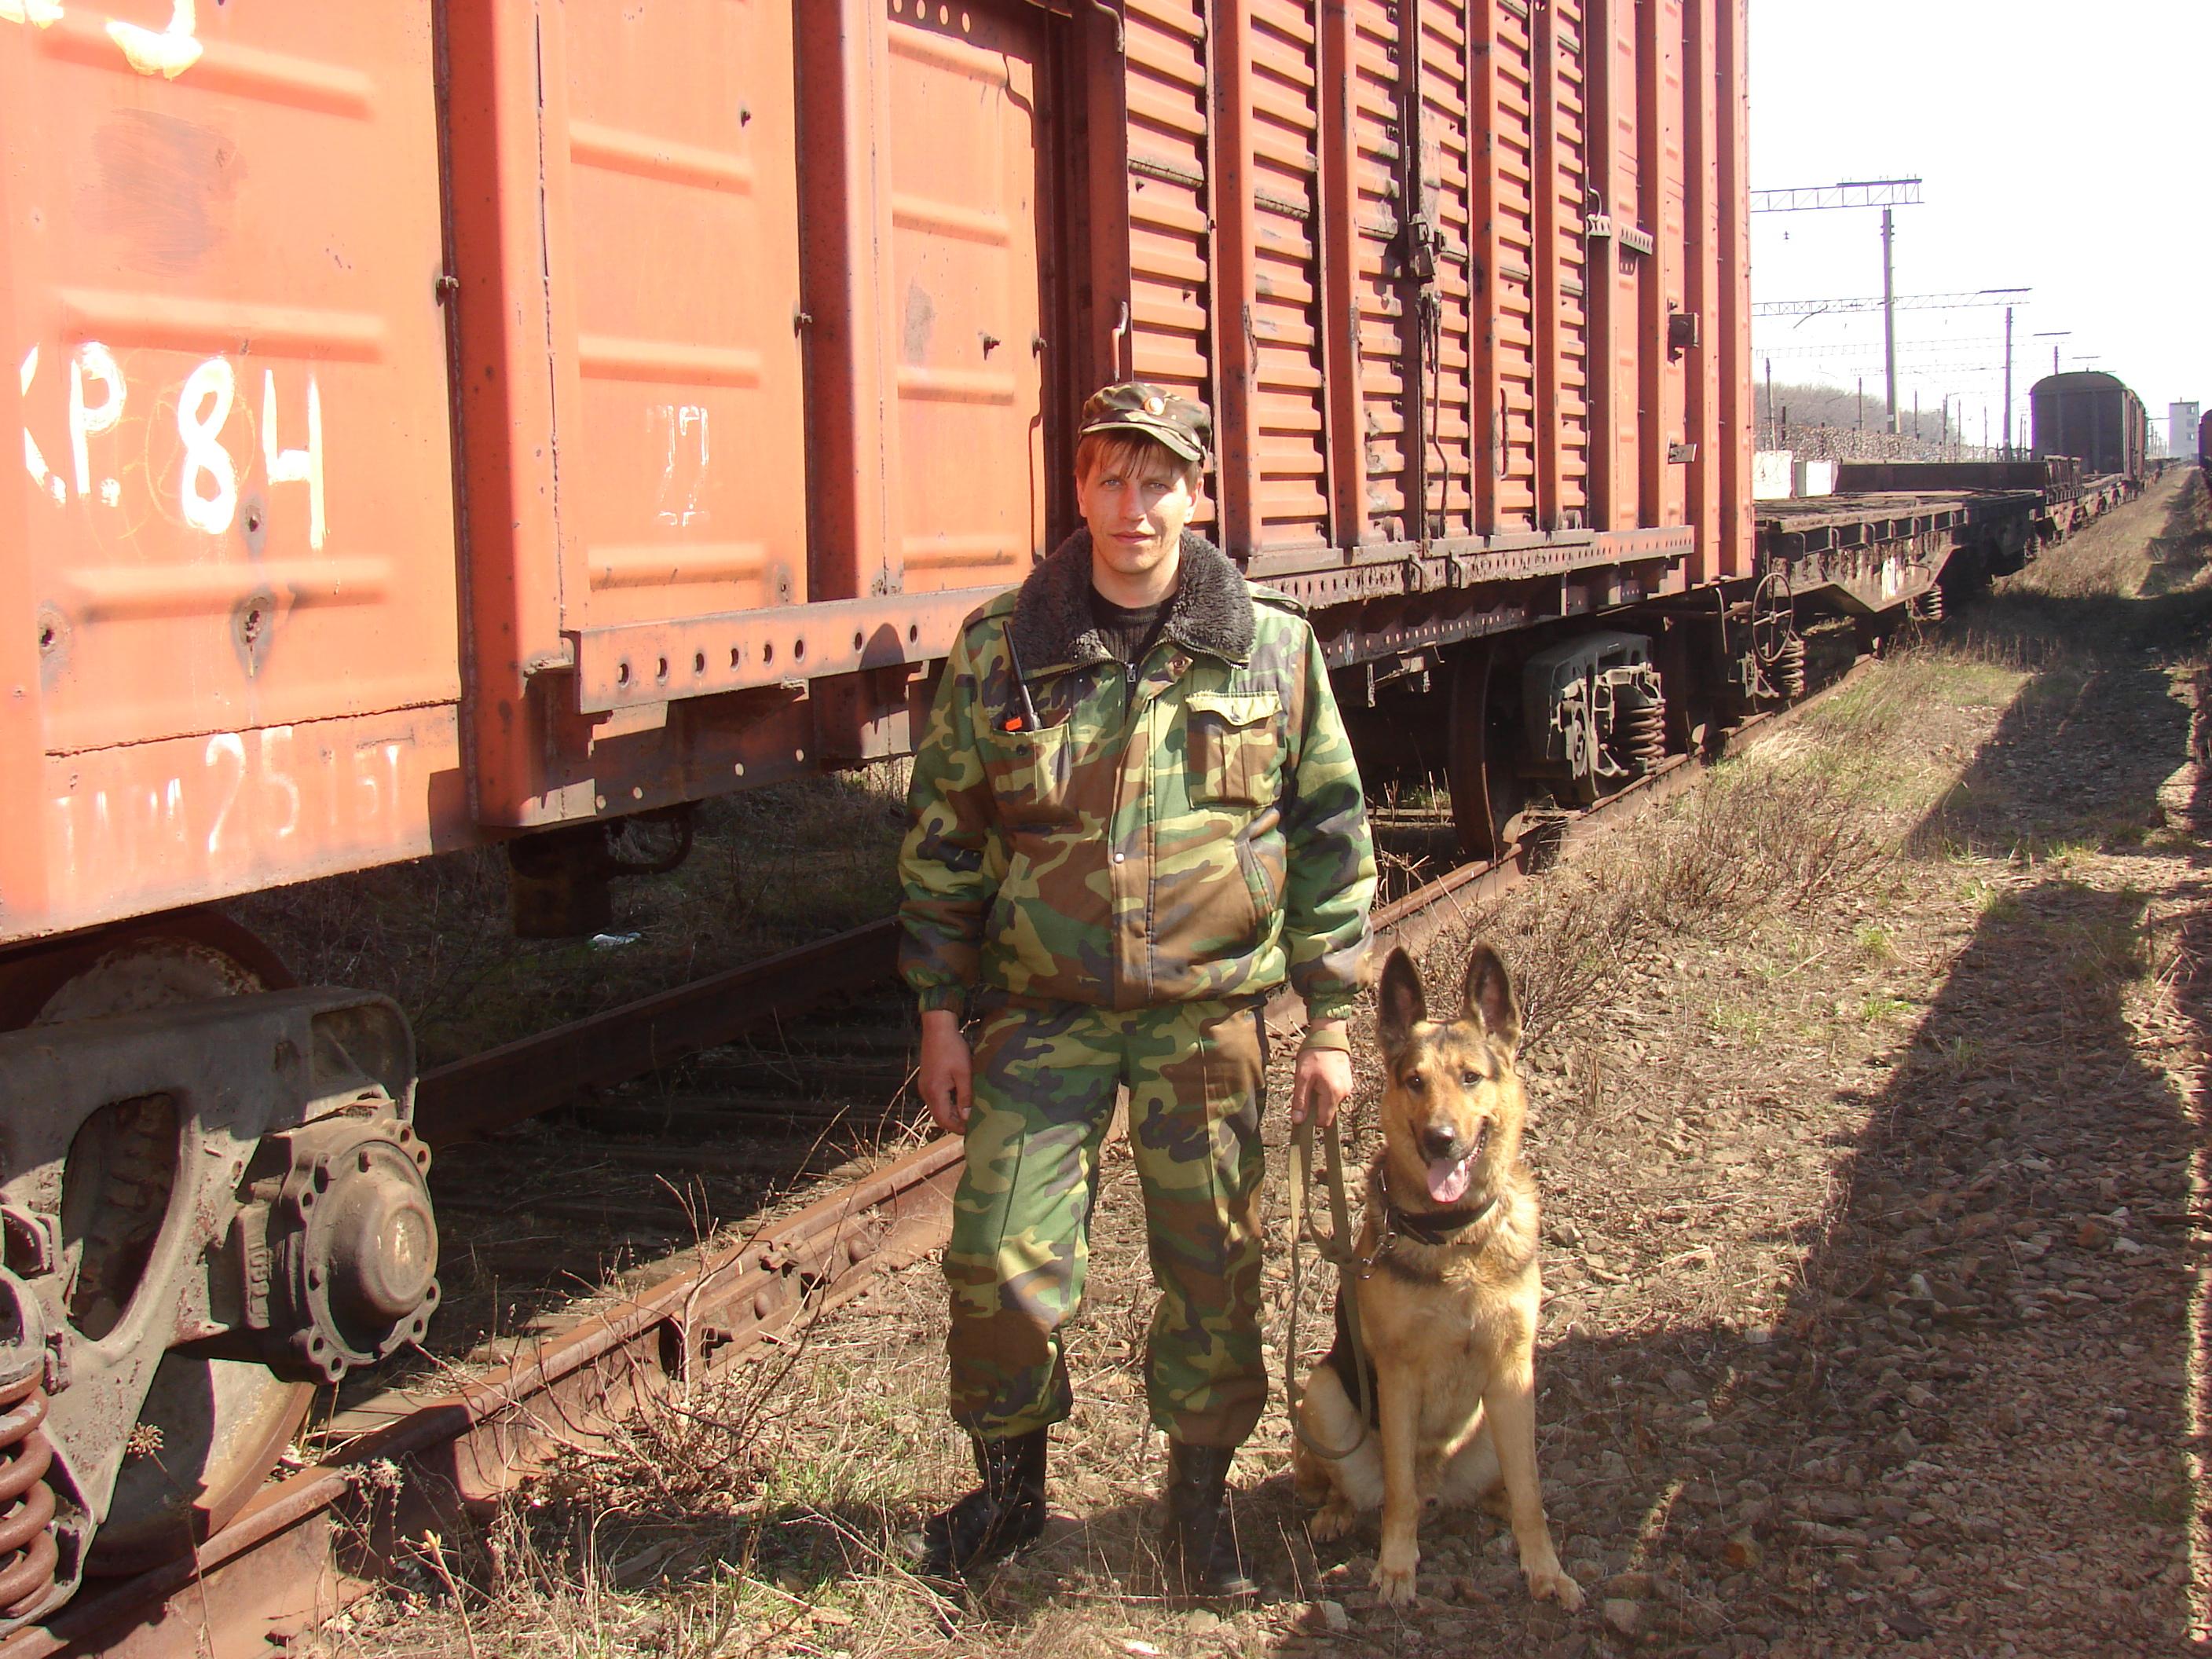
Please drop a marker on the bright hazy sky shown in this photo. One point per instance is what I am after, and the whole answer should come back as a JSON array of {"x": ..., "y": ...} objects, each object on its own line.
[{"x": 2066, "y": 148}]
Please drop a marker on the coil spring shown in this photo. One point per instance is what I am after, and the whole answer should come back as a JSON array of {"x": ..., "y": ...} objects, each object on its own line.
[
  {"x": 28, "y": 1554},
  {"x": 1643, "y": 739},
  {"x": 1788, "y": 673},
  {"x": 1928, "y": 607}
]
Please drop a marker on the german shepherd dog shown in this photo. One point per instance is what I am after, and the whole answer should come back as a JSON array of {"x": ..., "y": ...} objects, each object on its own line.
[{"x": 1447, "y": 1297}]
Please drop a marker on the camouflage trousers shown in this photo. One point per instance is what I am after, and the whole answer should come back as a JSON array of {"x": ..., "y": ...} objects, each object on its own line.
[{"x": 1045, "y": 1077}]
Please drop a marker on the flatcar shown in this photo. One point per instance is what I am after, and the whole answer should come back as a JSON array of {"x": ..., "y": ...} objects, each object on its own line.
[
  {"x": 481, "y": 422},
  {"x": 2204, "y": 444},
  {"x": 2094, "y": 417}
]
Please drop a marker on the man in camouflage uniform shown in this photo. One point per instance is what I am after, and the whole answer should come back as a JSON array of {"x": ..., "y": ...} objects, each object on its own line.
[{"x": 1135, "y": 813}]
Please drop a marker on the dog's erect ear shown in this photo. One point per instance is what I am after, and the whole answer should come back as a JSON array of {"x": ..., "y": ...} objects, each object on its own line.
[
  {"x": 1490, "y": 997},
  {"x": 1400, "y": 1004}
]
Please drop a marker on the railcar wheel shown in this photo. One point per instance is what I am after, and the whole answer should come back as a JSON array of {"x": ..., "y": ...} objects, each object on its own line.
[
  {"x": 209, "y": 1434},
  {"x": 1776, "y": 646},
  {"x": 1489, "y": 799},
  {"x": 210, "y": 1430}
]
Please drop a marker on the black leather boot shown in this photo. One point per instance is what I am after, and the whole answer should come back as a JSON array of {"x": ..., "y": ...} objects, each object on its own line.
[
  {"x": 990, "y": 1523},
  {"x": 1199, "y": 1548}
]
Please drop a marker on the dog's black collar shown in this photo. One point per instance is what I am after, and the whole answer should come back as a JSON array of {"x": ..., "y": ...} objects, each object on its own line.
[
  {"x": 1439, "y": 1226},
  {"x": 1427, "y": 1226}
]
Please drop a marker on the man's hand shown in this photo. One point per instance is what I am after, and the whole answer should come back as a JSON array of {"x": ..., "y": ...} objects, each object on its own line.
[
  {"x": 947, "y": 1072},
  {"x": 1322, "y": 1083}
]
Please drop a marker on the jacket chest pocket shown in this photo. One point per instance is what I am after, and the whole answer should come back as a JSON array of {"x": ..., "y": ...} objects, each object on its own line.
[
  {"x": 1029, "y": 773},
  {"x": 1235, "y": 747}
]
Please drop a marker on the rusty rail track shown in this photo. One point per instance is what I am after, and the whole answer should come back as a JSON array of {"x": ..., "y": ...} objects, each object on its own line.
[
  {"x": 314, "y": 1542},
  {"x": 472, "y": 1097}
]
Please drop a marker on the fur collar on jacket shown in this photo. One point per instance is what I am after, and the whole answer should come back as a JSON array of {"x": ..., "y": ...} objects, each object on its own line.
[{"x": 1053, "y": 627}]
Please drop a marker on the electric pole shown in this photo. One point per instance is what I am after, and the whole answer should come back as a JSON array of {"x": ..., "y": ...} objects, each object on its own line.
[
  {"x": 2053, "y": 334},
  {"x": 1889, "y": 310},
  {"x": 1890, "y": 302},
  {"x": 2007, "y": 402},
  {"x": 1887, "y": 194}
]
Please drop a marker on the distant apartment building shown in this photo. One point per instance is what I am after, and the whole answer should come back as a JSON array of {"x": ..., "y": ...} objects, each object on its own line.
[{"x": 2181, "y": 428}]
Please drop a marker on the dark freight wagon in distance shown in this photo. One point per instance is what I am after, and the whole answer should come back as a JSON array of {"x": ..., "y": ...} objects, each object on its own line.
[{"x": 2093, "y": 418}]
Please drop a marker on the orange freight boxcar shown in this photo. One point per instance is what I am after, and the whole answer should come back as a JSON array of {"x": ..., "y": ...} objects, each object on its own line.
[
  {"x": 488, "y": 419},
  {"x": 649, "y": 440}
]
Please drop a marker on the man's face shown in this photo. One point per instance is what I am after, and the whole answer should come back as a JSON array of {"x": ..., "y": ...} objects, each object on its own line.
[{"x": 1136, "y": 506}]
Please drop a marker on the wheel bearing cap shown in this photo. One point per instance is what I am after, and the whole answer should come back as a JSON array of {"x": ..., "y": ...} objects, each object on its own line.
[{"x": 355, "y": 1254}]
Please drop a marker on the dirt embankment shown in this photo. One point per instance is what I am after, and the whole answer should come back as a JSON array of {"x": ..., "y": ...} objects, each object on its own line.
[{"x": 1873, "y": 1241}]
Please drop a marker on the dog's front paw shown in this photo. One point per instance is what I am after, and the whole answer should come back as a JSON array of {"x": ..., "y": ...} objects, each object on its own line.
[
  {"x": 1552, "y": 1584},
  {"x": 1393, "y": 1579},
  {"x": 1336, "y": 1518}
]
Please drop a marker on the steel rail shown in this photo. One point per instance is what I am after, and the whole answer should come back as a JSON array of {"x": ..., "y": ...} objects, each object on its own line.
[
  {"x": 275, "y": 1569},
  {"x": 503, "y": 1086},
  {"x": 313, "y": 1542}
]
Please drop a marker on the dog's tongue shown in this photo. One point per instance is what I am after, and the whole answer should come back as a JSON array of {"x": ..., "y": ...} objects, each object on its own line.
[{"x": 1448, "y": 1181}]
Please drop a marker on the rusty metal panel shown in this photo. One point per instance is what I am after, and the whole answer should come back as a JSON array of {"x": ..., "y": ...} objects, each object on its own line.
[
  {"x": 1718, "y": 428},
  {"x": 1267, "y": 225},
  {"x": 1734, "y": 430},
  {"x": 1453, "y": 363},
  {"x": 1668, "y": 287},
  {"x": 625, "y": 204},
  {"x": 505, "y": 404},
  {"x": 1664, "y": 175},
  {"x": 963, "y": 146},
  {"x": 1644, "y": 40},
  {"x": 1386, "y": 334},
  {"x": 1170, "y": 298},
  {"x": 1344, "y": 441},
  {"x": 671, "y": 204},
  {"x": 655, "y": 523},
  {"x": 231, "y": 539},
  {"x": 852, "y": 449},
  {"x": 1619, "y": 263},
  {"x": 134, "y": 828},
  {"x": 1230, "y": 249},
  {"x": 1510, "y": 163},
  {"x": 1562, "y": 343},
  {"x": 1703, "y": 222}
]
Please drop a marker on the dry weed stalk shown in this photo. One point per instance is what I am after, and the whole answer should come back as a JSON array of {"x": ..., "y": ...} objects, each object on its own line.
[{"x": 1786, "y": 829}]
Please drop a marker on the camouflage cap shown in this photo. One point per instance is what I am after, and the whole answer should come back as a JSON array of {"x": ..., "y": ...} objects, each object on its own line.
[{"x": 1186, "y": 428}]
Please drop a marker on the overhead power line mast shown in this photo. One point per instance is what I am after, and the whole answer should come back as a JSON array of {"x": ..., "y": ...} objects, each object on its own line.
[
  {"x": 1888, "y": 195},
  {"x": 1874, "y": 193},
  {"x": 1983, "y": 299}
]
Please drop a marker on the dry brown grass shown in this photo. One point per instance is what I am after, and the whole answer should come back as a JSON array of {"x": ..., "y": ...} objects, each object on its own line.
[
  {"x": 1787, "y": 828},
  {"x": 2113, "y": 557}
]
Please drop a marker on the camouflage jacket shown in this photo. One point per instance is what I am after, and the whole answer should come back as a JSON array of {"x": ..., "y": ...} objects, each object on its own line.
[{"x": 1186, "y": 828}]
